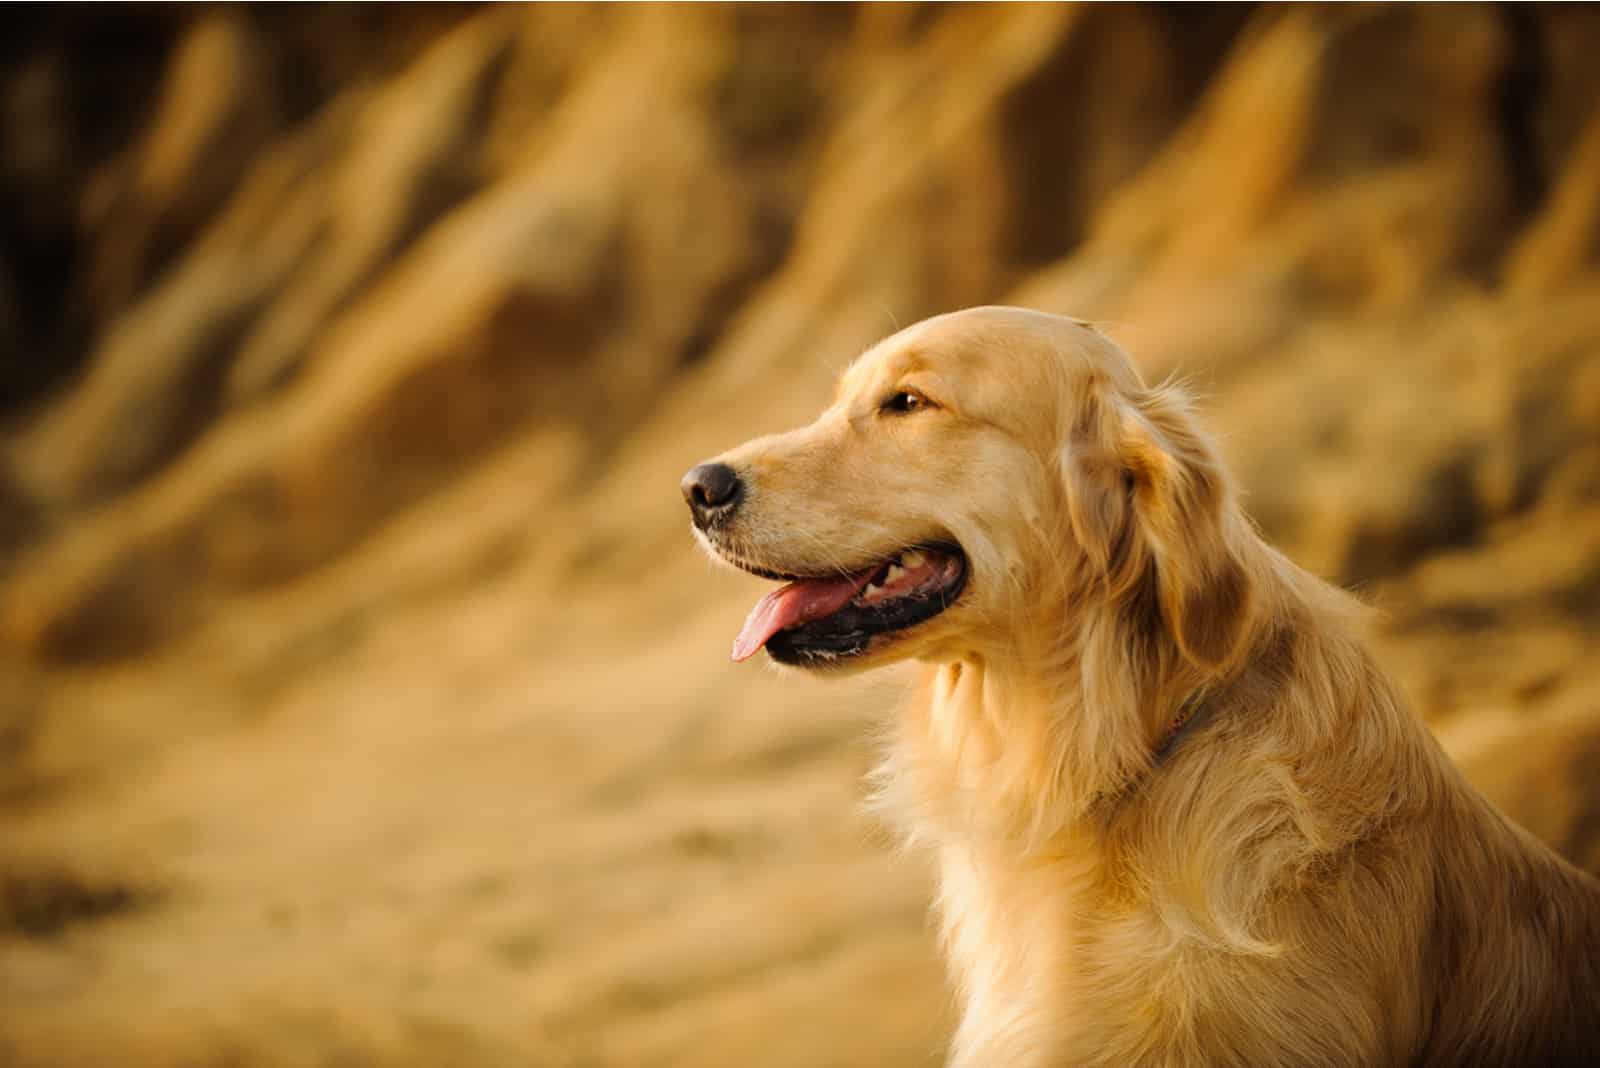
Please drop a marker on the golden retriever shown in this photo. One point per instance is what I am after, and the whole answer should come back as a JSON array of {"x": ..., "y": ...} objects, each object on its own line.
[{"x": 1180, "y": 814}]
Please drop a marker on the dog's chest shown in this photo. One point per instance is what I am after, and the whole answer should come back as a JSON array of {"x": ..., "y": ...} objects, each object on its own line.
[
  {"x": 1019, "y": 935},
  {"x": 1051, "y": 967}
]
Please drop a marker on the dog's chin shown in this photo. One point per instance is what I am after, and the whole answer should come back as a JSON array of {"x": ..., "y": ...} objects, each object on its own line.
[
  {"x": 898, "y": 608},
  {"x": 923, "y": 641}
]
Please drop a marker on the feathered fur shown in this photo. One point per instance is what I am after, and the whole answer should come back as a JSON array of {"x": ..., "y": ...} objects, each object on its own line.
[{"x": 1300, "y": 877}]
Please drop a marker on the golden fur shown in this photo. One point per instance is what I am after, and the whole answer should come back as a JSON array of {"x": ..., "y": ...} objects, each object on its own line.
[{"x": 1300, "y": 877}]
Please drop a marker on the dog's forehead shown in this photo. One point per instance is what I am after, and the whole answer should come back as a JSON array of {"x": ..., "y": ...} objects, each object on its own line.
[
  {"x": 908, "y": 353},
  {"x": 987, "y": 346}
]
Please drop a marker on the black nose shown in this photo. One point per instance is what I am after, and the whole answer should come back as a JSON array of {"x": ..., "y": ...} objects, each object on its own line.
[{"x": 712, "y": 490}]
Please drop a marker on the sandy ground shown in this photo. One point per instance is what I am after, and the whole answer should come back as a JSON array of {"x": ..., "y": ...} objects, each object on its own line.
[{"x": 488, "y": 837}]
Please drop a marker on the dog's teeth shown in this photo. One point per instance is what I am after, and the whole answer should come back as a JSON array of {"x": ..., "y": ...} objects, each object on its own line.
[
  {"x": 872, "y": 590},
  {"x": 895, "y": 572},
  {"x": 912, "y": 559}
]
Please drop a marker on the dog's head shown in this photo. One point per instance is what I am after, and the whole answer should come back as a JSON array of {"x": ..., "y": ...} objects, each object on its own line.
[{"x": 982, "y": 482}]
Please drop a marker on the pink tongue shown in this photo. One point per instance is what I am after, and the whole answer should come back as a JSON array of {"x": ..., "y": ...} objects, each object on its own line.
[{"x": 794, "y": 604}]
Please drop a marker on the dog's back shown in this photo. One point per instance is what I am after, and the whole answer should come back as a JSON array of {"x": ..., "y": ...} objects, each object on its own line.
[{"x": 1515, "y": 940}]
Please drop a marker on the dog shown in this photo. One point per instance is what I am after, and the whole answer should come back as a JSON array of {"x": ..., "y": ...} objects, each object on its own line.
[{"x": 1180, "y": 814}]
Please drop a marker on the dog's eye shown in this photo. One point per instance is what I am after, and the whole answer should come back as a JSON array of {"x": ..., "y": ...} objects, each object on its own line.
[{"x": 905, "y": 400}]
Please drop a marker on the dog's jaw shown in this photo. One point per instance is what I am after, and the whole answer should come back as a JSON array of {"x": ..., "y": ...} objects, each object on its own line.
[{"x": 854, "y": 615}]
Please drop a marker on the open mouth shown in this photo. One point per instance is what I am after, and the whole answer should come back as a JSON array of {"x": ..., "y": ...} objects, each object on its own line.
[{"x": 820, "y": 620}]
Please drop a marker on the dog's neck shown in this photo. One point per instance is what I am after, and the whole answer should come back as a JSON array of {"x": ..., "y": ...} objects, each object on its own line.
[{"x": 1018, "y": 756}]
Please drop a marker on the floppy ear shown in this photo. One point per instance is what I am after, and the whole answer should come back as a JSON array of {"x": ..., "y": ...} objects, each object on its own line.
[
  {"x": 1183, "y": 511},
  {"x": 1098, "y": 490},
  {"x": 1147, "y": 496}
]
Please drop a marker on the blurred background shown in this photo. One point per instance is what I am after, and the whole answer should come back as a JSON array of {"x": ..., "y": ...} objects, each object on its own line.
[{"x": 363, "y": 698}]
